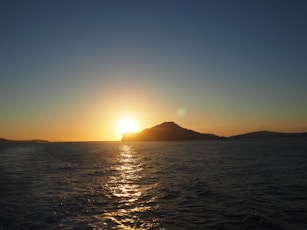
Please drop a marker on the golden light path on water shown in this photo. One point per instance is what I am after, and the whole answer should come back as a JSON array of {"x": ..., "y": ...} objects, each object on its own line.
[{"x": 130, "y": 195}]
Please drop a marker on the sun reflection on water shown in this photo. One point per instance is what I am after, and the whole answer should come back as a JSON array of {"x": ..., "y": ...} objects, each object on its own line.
[
  {"x": 128, "y": 193},
  {"x": 124, "y": 183}
]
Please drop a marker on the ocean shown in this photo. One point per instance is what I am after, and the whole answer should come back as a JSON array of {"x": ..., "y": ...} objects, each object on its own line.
[{"x": 221, "y": 184}]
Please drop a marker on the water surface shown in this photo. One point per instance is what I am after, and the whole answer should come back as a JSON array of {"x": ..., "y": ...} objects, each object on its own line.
[{"x": 154, "y": 185}]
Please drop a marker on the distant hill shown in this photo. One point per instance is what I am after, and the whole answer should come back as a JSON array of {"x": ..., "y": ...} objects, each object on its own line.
[
  {"x": 2, "y": 140},
  {"x": 167, "y": 131},
  {"x": 268, "y": 134}
]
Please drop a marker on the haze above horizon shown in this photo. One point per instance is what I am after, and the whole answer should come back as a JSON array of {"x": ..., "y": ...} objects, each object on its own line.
[{"x": 72, "y": 70}]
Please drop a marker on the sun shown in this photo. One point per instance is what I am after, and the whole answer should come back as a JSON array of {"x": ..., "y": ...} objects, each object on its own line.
[{"x": 127, "y": 124}]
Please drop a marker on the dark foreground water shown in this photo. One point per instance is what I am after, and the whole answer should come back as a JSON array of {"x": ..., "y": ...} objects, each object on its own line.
[{"x": 162, "y": 185}]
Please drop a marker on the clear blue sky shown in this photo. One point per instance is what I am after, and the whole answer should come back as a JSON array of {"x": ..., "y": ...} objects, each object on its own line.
[{"x": 69, "y": 69}]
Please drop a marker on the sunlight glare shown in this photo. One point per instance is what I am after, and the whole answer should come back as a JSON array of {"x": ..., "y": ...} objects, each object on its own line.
[{"x": 127, "y": 124}]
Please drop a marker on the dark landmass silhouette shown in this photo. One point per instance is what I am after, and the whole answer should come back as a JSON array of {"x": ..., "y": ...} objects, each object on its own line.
[
  {"x": 168, "y": 131},
  {"x": 3, "y": 140},
  {"x": 268, "y": 134}
]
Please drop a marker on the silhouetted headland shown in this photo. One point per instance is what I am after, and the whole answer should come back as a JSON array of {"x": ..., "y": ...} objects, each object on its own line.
[
  {"x": 168, "y": 131},
  {"x": 267, "y": 134}
]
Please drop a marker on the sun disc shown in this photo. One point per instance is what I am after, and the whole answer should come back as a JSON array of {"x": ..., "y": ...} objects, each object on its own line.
[{"x": 127, "y": 124}]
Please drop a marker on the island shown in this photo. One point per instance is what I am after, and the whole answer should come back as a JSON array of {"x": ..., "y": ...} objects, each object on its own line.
[
  {"x": 168, "y": 131},
  {"x": 3, "y": 140},
  {"x": 267, "y": 135}
]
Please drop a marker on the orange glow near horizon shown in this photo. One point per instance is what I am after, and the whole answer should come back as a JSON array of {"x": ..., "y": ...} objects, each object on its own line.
[
  {"x": 107, "y": 120},
  {"x": 112, "y": 129}
]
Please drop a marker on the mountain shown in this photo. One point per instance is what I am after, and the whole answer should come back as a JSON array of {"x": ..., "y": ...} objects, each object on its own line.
[
  {"x": 167, "y": 131},
  {"x": 268, "y": 134}
]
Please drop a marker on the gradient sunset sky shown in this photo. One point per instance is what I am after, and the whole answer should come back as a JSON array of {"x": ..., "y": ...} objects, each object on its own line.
[{"x": 70, "y": 70}]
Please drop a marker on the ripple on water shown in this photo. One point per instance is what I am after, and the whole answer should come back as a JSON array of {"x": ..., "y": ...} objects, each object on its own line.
[
  {"x": 133, "y": 198},
  {"x": 218, "y": 185}
]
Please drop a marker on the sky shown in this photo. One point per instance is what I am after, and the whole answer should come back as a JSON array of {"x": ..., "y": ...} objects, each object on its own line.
[{"x": 71, "y": 70}]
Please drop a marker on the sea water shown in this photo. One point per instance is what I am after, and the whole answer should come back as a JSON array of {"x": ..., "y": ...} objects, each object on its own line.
[{"x": 251, "y": 184}]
